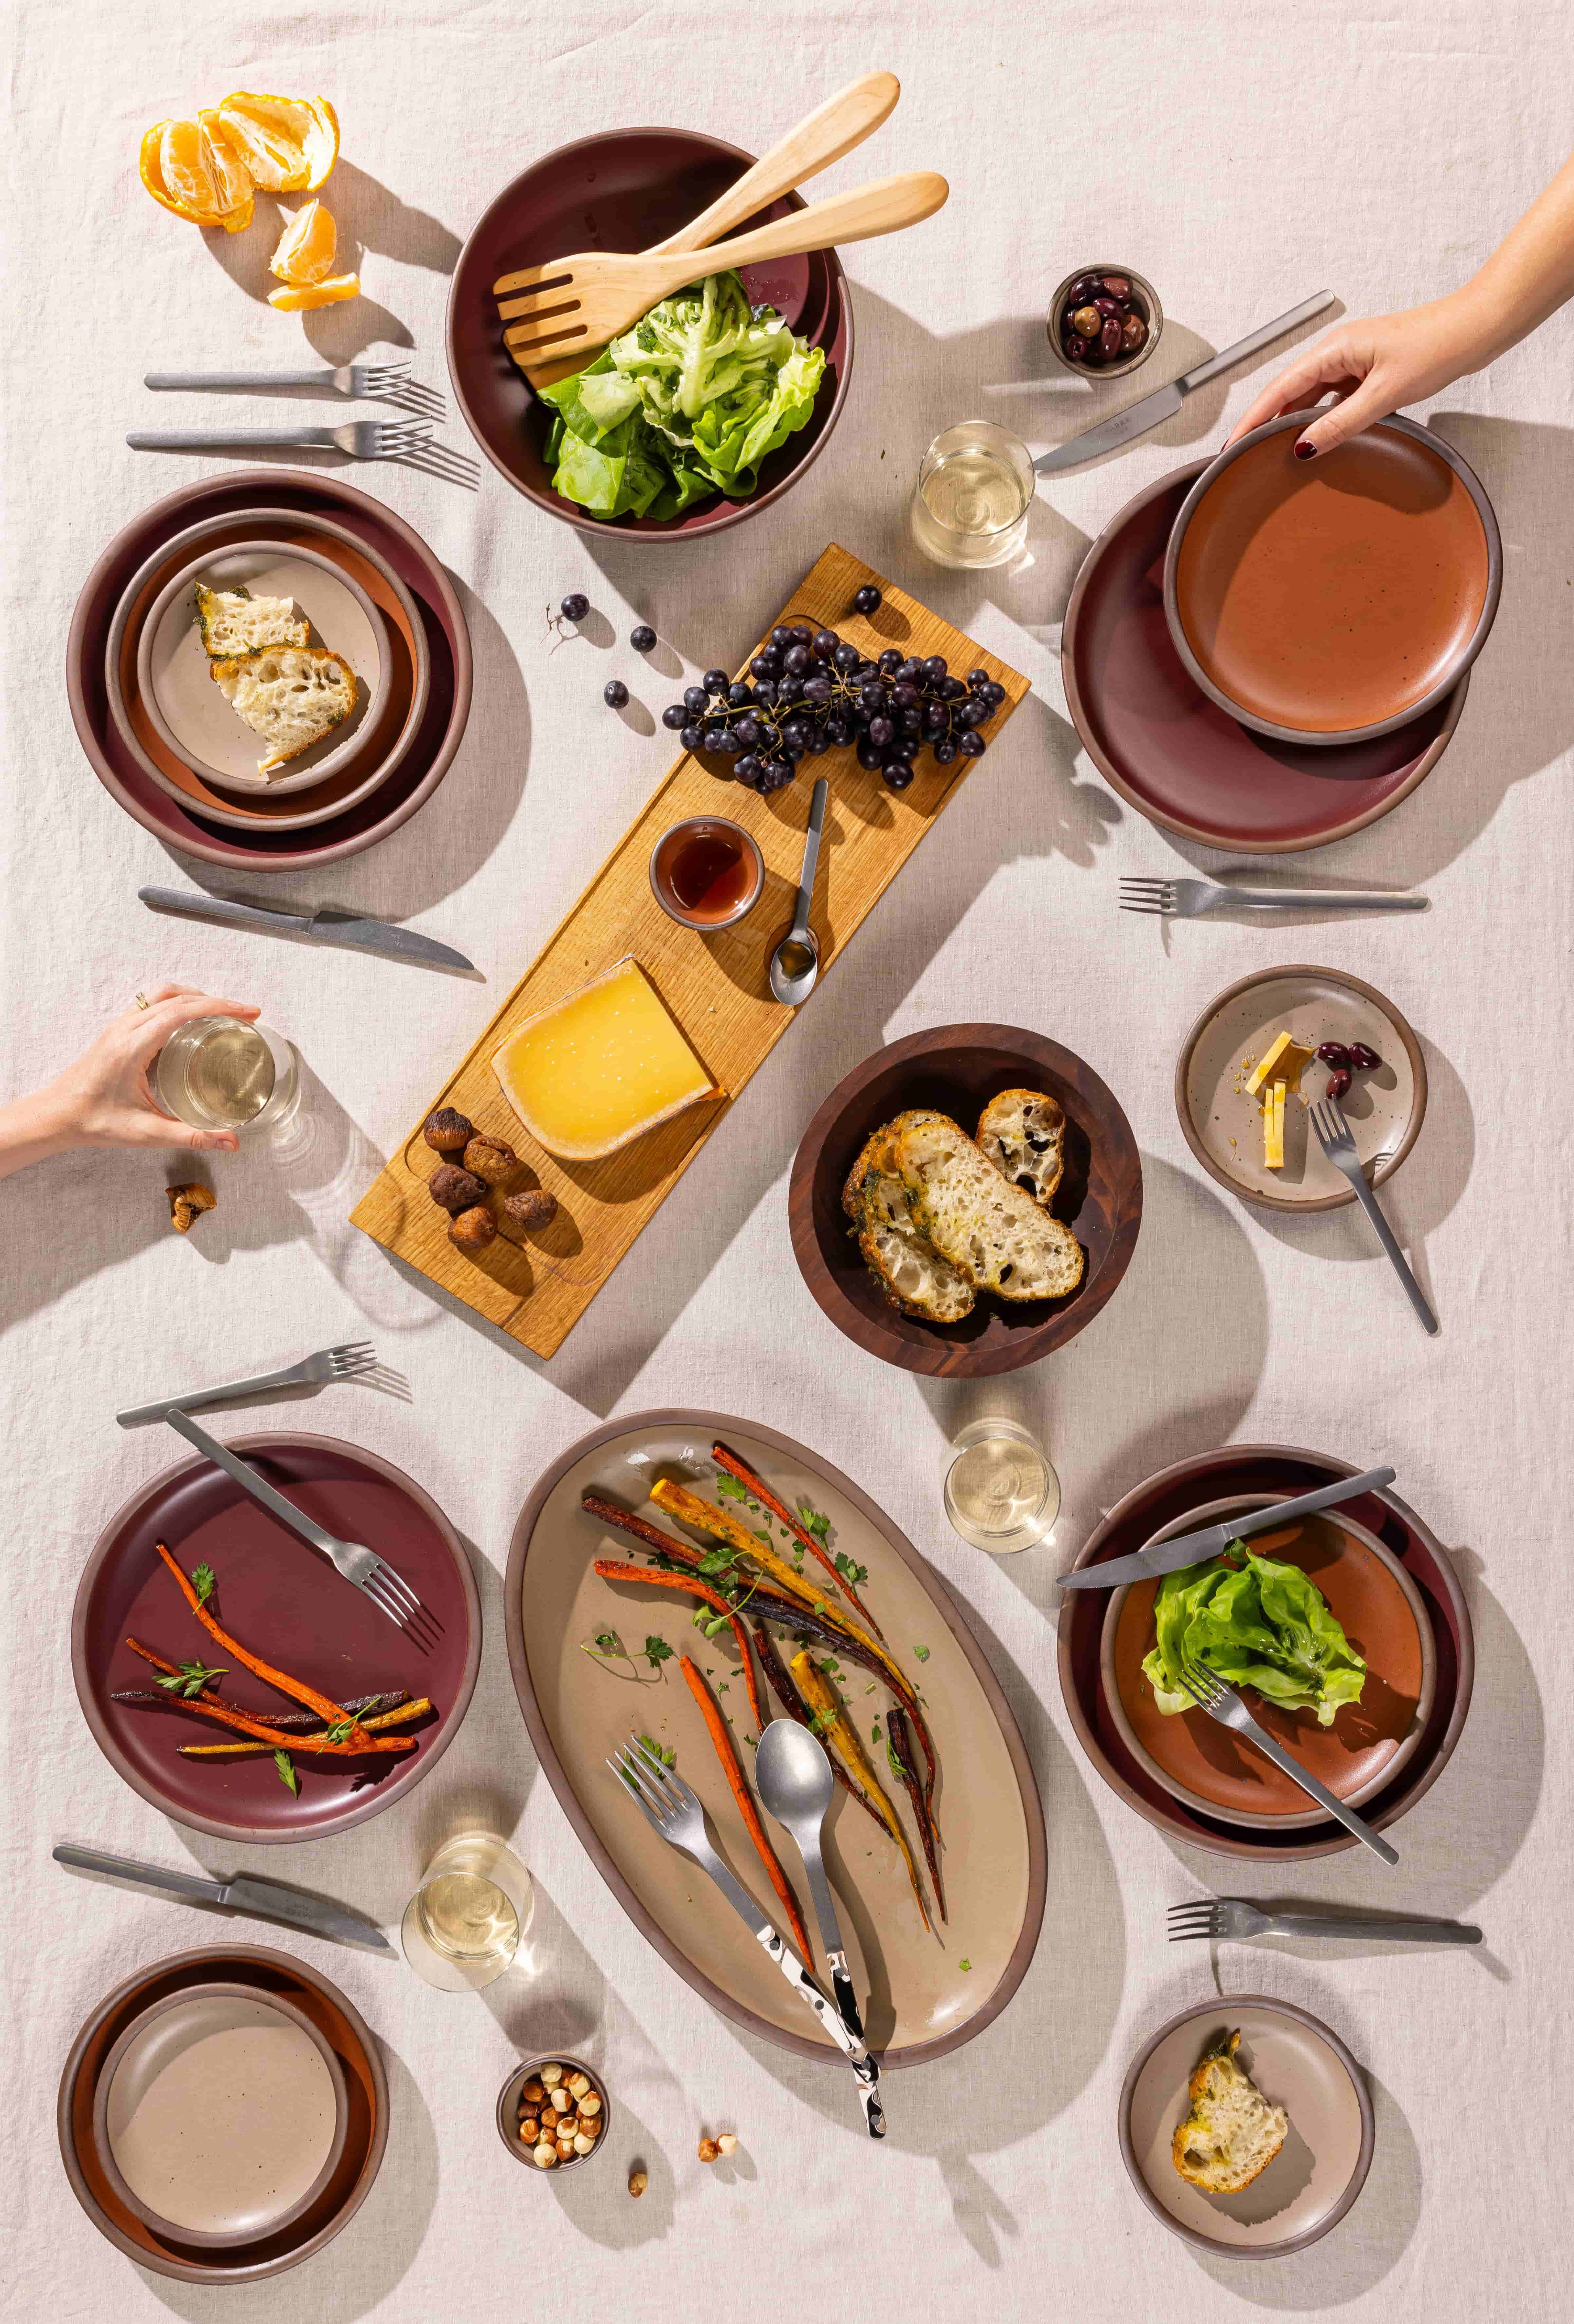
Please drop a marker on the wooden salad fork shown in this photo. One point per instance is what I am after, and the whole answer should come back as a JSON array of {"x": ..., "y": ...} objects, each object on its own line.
[
  {"x": 821, "y": 138},
  {"x": 584, "y": 301}
]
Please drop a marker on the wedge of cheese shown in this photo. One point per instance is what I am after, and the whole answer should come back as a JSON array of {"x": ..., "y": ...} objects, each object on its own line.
[
  {"x": 601, "y": 1067},
  {"x": 1274, "y": 1126}
]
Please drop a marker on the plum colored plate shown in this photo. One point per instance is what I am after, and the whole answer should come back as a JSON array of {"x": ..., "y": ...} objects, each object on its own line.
[
  {"x": 1296, "y": 2061},
  {"x": 918, "y": 2003},
  {"x": 272, "y": 1976},
  {"x": 1174, "y": 755},
  {"x": 625, "y": 189},
  {"x": 288, "y": 1605},
  {"x": 260, "y": 848},
  {"x": 1234, "y": 1472},
  {"x": 959, "y": 1068},
  {"x": 1204, "y": 1765}
]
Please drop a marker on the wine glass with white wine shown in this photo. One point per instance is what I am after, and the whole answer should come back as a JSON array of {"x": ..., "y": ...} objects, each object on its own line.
[
  {"x": 1000, "y": 1492},
  {"x": 465, "y": 1924}
]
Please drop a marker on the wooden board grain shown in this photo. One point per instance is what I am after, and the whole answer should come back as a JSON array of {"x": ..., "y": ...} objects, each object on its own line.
[{"x": 537, "y": 1286}]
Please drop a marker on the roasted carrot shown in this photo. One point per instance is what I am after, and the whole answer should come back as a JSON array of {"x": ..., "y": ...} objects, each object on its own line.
[
  {"x": 836, "y": 1730},
  {"x": 613, "y": 1569},
  {"x": 401, "y": 1716},
  {"x": 726, "y": 1751},
  {"x": 330, "y": 1711},
  {"x": 275, "y": 1738},
  {"x": 792, "y": 1702},
  {"x": 609, "y": 1513},
  {"x": 300, "y": 1720},
  {"x": 762, "y": 1493},
  {"x": 901, "y": 1749}
]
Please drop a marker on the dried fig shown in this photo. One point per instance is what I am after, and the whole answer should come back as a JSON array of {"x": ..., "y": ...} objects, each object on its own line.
[
  {"x": 473, "y": 1230},
  {"x": 492, "y": 1158},
  {"x": 534, "y": 1208},
  {"x": 447, "y": 1131},
  {"x": 455, "y": 1189},
  {"x": 188, "y": 1203}
]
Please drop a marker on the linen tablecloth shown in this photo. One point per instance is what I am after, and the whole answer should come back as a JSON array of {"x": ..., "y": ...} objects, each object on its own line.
[{"x": 1241, "y": 159}]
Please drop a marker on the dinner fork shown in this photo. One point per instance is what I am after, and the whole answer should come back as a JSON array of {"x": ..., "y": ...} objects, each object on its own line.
[
  {"x": 371, "y": 1575},
  {"x": 345, "y": 379},
  {"x": 362, "y": 439},
  {"x": 672, "y": 1808},
  {"x": 1209, "y": 1692},
  {"x": 1333, "y": 1134},
  {"x": 345, "y": 1363},
  {"x": 1189, "y": 899},
  {"x": 1221, "y": 1918}
]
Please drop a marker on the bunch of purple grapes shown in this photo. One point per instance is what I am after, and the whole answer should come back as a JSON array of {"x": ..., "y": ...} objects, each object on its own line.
[{"x": 809, "y": 691}]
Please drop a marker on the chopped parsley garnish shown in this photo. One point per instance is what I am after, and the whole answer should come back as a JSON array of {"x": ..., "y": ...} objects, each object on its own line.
[
  {"x": 921, "y": 1653},
  {"x": 191, "y": 1678},
  {"x": 851, "y": 1573},
  {"x": 656, "y": 1651},
  {"x": 204, "y": 1582},
  {"x": 285, "y": 1767}
]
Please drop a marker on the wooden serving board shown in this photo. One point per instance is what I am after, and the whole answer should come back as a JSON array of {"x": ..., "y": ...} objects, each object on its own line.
[{"x": 535, "y": 1287}]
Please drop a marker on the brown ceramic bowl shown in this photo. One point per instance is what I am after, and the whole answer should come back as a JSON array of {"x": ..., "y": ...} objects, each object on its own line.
[
  {"x": 626, "y": 189},
  {"x": 260, "y": 848},
  {"x": 274, "y": 1975},
  {"x": 1282, "y": 1470},
  {"x": 1152, "y": 312},
  {"x": 958, "y": 1069},
  {"x": 1334, "y": 600},
  {"x": 1173, "y": 754},
  {"x": 508, "y": 2110}
]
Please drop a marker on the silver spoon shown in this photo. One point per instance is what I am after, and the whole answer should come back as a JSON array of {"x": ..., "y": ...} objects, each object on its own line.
[{"x": 795, "y": 965}]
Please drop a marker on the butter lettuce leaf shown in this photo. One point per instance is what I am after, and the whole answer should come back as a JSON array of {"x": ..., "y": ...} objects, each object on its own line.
[{"x": 1259, "y": 1624}]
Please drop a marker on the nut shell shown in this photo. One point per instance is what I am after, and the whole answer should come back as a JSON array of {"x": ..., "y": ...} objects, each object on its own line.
[
  {"x": 455, "y": 1189},
  {"x": 492, "y": 1158},
  {"x": 473, "y": 1230},
  {"x": 534, "y": 1208},
  {"x": 447, "y": 1131}
]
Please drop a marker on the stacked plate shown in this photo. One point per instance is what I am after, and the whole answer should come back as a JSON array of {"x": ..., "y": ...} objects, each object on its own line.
[{"x": 160, "y": 736}]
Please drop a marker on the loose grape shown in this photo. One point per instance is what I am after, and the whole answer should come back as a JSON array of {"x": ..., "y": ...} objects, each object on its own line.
[
  {"x": 575, "y": 606},
  {"x": 971, "y": 745},
  {"x": 642, "y": 638},
  {"x": 675, "y": 716},
  {"x": 825, "y": 644},
  {"x": 977, "y": 677},
  {"x": 614, "y": 693},
  {"x": 993, "y": 692},
  {"x": 692, "y": 738},
  {"x": 866, "y": 600},
  {"x": 898, "y": 774}
]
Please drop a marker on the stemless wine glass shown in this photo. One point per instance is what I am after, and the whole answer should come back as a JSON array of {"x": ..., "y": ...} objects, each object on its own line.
[
  {"x": 464, "y": 1923},
  {"x": 975, "y": 489},
  {"x": 1000, "y": 1492},
  {"x": 219, "y": 1072}
]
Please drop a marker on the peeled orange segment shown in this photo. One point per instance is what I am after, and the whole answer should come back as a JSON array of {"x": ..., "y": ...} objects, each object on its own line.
[
  {"x": 231, "y": 178},
  {"x": 183, "y": 170},
  {"x": 287, "y": 143},
  {"x": 306, "y": 247},
  {"x": 297, "y": 296}
]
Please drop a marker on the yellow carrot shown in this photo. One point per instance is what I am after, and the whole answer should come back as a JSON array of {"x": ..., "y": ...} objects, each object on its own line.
[{"x": 835, "y": 1730}]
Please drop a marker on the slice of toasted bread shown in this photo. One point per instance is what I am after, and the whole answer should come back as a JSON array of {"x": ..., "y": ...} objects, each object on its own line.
[
  {"x": 234, "y": 621},
  {"x": 994, "y": 1235},
  {"x": 1232, "y": 2133},
  {"x": 1022, "y": 1132},
  {"x": 292, "y": 696},
  {"x": 908, "y": 1269}
]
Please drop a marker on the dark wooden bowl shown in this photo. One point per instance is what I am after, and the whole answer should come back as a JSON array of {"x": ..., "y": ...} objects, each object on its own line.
[
  {"x": 959, "y": 1068},
  {"x": 626, "y": 190}
]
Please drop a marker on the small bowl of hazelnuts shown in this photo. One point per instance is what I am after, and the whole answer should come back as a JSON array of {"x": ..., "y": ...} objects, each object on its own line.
[
  {"x": 475, "y": 1168},
  {"x": 1104, "y": 320},
  {"x": 553, "y": 2113}
]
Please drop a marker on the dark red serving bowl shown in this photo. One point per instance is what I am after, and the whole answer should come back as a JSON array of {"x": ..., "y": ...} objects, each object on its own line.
[{"x": 626, "y": 190}]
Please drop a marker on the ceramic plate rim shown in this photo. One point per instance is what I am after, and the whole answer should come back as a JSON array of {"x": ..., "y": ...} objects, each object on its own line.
[
  {"x": 1409, "y": 1744},
  {"x": 379, "y": 1797},
  {"x": 336, "y": 759},
  {"x": 1221, "y": 2004},
  {"x": 1383, "y": 1170},
  {"x": 951, "y": 1612}
]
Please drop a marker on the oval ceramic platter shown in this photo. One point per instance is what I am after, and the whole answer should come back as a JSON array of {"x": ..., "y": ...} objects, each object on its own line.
[{"x": 922, "y": 1994}]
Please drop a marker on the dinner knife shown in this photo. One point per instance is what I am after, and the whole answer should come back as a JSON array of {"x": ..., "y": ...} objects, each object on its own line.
[
  {"x": 321, "y": 927},
  {"x": 1138, "y": 417},
  {"x": 1212, "y": 1541},
  {"x": 319, "y": 1916}
]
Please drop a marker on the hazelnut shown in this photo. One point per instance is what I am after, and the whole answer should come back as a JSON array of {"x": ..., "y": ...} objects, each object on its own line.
[
  {"x": 565, "y": 2150},
  {"x": 638, "y": 2182},
  {"x": 727, "y": 2143},
  {"x": 550, "y": 2074},
  {"x": 492, "y": 1158},
  {"x": 561, "y": 2099},
  {"x": 581, "y": 2144},
  {"x": 578, "y": 2084},
  {"x": 709, "y": 2150},
  {"x": 546, "y": 2155},
  {"x": 534, "y": 2090},
  {"x": 530, "y": 2131},
  {"x": 590, "y": 2103},
  {"x": 587, "y": 2126},
  {"x": 473, "y": 1230},
  {"x": 534, "y": 1208},
  {"x": 455, "y": 1189},
  {"x": 188, "y": 1203},
  {"x": 447, "y": 1131}
]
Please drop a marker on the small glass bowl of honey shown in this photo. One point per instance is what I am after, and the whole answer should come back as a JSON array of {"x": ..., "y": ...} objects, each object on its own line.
[{"x": 707, "y": 872}]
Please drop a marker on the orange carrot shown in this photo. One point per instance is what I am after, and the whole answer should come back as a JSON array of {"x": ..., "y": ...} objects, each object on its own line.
[
  {"x": 244, "y": 1724},
  {"x": 325, "y": 1710},
  {"x": 726, "y": 1751},
  {"x": 778, "y": 1510},
  {"x": 613, "y": 1569}
]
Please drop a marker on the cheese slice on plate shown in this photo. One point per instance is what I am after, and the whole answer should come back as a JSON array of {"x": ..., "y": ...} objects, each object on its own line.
[
  {"x": 1273, "y": 1127},
  {"x": 1285, "y": 1061},
  {"x": 601, "y": 1066}
]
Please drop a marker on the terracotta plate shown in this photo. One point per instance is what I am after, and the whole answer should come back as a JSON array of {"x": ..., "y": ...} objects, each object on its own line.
[
  {"x": 255, "y": 847},
  {"x": 1380, "y": 1612},
  {"x": 273, "y": 1976},
  {"x": 1296, "y": 2061},
  {"x": 959, "y": 1068},
  {"x": 1235, "y": 1471},
  {"x": 626, "y": 190},
  {"x": 1334, "y": 599},
  {"x": 288, "y": 1605},
  {"x": 920, "y": 2002},
  {"x": 1223, "y": 1125},
  {"x": 1176, "y": 756}
]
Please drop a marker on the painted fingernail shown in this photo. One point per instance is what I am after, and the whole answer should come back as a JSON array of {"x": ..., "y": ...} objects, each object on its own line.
[{"x": 1305, "y": 451}]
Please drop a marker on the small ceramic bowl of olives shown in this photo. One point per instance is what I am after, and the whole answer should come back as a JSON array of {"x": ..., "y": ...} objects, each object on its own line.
[{"x": 1104, "y": 320}]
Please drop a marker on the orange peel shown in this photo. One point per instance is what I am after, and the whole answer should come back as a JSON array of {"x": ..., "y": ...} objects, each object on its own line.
[
  {"x": 306, "y": 248},
  {"x": 289, "y": 144},
  {"x": 293, "y": 298}
]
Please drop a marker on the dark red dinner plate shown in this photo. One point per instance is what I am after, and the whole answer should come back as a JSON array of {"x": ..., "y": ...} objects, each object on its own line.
[
  {"x": 288, "y": 1605},
  {"x": 1283, "y": 1469},
  {"x": 265, "y": 849},
  {"x": 1177, "y": 757},
  {"x": 626, "y": 189}
]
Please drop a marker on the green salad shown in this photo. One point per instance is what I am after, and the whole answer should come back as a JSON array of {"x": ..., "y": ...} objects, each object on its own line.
[
  {"x": 1261, "y": 1625},
  {"x": 686, "y": 403}
]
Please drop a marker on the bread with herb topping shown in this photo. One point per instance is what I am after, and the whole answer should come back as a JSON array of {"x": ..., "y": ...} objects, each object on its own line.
[
  {"x": 1232, "y": 2133},
  {"x": 994, "y": 1235}
]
